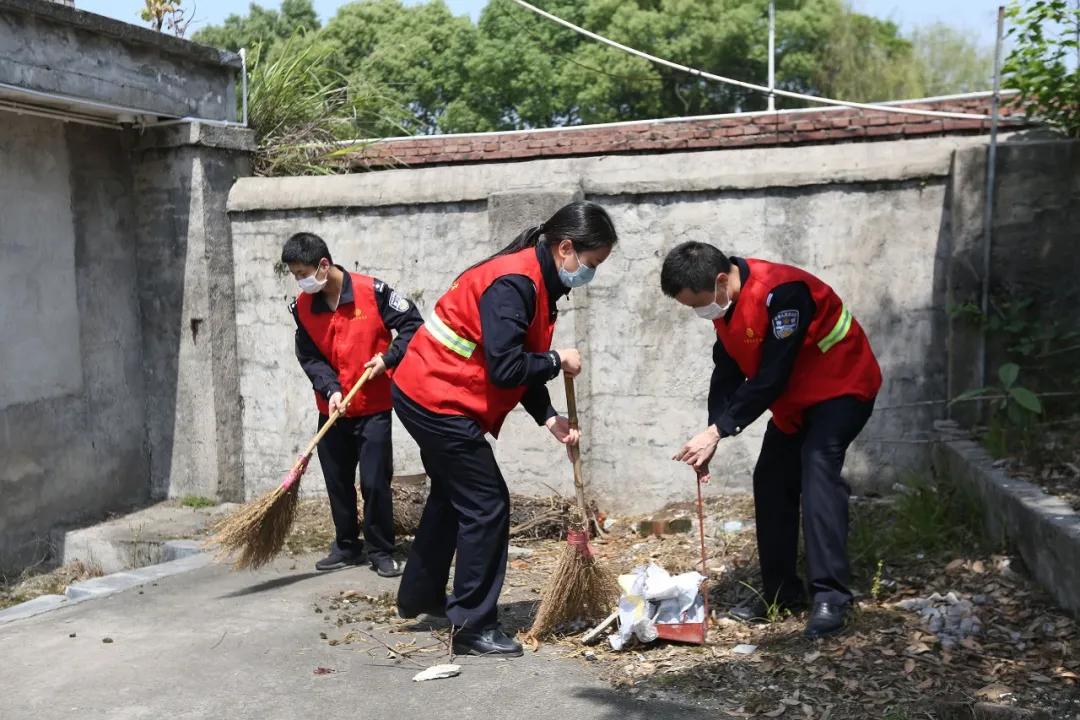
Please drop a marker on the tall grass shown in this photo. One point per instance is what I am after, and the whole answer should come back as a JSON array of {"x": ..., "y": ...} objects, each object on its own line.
[{"x": 299, "y": 108}]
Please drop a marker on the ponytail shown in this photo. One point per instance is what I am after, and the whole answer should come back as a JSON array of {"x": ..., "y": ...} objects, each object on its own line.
[{"x": 585, "y": 224}]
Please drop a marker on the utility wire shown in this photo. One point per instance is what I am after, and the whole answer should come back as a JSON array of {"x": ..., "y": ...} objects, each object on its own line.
[{"x": 739, "y": 83}]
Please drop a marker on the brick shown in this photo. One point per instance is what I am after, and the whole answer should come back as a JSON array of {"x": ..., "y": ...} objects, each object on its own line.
[
  {"x": 924, "y": 128},
  {"x": 880, "y": 130},
  {"x": 877, "y": 120}
]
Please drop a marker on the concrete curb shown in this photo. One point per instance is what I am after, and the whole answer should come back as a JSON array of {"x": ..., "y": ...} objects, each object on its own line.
[
  {"x": 1043, "y": 528},
  {"x": 109, "y": 584}
]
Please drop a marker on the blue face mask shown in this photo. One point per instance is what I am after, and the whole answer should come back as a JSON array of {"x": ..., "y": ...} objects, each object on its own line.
[{"x": 582, "y": 276}]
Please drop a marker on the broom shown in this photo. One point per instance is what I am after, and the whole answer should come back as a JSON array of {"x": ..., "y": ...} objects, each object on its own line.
[
  {"x": 580, "y": 587},
  {"x": 256, "y": 532}
]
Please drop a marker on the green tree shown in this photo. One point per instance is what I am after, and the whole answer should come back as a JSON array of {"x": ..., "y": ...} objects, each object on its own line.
[
  {"x": 417, "y": 52},
  {"x": 952, "y": 61},
  {"x": 864, "y": 59},
  {"x": 261, "y": 26},
  {"x": 1045, "y": 62},
  {"x": 517, "y": 70}
]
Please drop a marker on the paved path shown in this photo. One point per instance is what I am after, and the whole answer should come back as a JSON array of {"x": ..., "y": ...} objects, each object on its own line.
[{"x": 214, "y": 644}]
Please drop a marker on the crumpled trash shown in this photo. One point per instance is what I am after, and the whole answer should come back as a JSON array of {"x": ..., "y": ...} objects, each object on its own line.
[
  {"x": 437, "y": 672},
  {"x": 652, "y": 596}
]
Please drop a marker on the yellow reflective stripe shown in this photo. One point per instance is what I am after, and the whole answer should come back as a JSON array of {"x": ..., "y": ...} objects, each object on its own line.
[
  {"x": 449, "y": 338},
  {"x": 839, "y": 331}
]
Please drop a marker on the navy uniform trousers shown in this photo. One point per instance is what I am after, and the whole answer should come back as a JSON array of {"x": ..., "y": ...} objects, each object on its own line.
[
  {"x": 804, "y": 469},
  {"x": 365, "y": 441},
  {"x": 467, "y": 512}
]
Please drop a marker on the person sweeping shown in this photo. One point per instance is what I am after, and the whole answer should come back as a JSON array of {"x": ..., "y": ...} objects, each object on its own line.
[
  {"x": 785, "y": 342},
  {"x": 344, "y": 323},
  {"x": 486, "y": 348}
]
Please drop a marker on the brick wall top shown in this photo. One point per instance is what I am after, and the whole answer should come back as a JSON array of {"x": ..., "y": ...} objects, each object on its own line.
[{"x": 826, "y": 125}]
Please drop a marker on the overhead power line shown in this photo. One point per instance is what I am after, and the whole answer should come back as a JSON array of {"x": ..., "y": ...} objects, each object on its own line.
[{"x": 746, "y": 85}]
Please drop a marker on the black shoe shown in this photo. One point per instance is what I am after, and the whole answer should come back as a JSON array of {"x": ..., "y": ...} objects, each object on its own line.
[
  {"x": 339, "y": 558},
  {"x": 826, "y": 619},
  {"x": 755, "y": 610},
  {"x": 485, "y": 642},
  {"x": 386, "y": 565},
  {"x": 433, "y": 611}
]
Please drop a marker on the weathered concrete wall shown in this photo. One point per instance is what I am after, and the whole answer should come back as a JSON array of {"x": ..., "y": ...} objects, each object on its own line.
[
  {"x": 119, "y": 368},
  {"x": 1043, "y": 528},
  {"x": 185, "y": 264},
  {"x": 1036, "y": 226},
  {"x": 870, "y": 219},
  {"x": 55, "y": 49},
  {"x": 74, "y": 448}
]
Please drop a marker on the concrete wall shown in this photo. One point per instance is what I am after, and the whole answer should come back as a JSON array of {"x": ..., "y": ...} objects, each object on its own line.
[
  {"x": 1033, "y": 257},
  {"x": 118, "y": 379},
  {"x": 50, "y": 48},
  {"x": 185, "y": 262},
  {"x": 871, "y": 219},
  {"x": 72, "y": 401},
  {"x": 119, "y": 369}
]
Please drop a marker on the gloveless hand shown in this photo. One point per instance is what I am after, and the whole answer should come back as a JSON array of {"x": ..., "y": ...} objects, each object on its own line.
[
  {"x": 560, "y": 428},
  {"x": 699, "y": 450},
  {"x": 378, "y": 364}
]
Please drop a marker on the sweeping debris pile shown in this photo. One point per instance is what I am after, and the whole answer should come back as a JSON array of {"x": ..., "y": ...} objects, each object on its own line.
[{"x": 652, "y": 597}]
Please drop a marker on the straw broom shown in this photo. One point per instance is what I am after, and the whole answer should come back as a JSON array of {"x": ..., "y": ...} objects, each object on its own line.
[
  {"x": 256, "y": 532},
  {"x": 580, "y": 587}
]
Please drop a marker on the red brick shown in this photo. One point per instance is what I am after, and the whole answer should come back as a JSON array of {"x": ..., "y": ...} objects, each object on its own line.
[
  {"x": 877, "y": 120},
  {"x": 884, "y": 130},
  {"x": 923, "y": 128}
]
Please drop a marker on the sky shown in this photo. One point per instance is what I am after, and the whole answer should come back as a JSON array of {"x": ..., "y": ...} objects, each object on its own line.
[{"x": 977, "y": 15}]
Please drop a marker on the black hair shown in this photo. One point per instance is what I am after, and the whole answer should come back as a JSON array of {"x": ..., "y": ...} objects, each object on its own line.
[
  {"x": 306, "y": 248},
  {"x": 692, "y": 266},
  {"x": 584, "y": 223}
]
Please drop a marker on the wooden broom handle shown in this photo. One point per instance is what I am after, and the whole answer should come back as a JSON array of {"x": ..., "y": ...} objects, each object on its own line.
[
  {"x": 336, "y": 414},
  {"x": 575, "y": 450}
]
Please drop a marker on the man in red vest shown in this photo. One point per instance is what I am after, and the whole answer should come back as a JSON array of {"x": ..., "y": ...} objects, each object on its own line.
[
  {"x": 343, "y": 326},
  {"x": 786, "y": 343}
]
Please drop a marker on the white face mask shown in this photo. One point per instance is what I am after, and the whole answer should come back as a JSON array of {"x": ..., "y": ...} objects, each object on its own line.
[
  {"x": 312, "y": 284},
  {"x": 714, "y": 310}
]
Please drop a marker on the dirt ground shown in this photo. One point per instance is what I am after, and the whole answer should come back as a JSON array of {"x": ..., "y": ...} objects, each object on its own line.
[{"x": 887, "y": 665}]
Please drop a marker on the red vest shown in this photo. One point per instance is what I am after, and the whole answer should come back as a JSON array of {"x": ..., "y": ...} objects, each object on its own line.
[
  {"x": 444, "y": 368},
  {"x": 835, "y": 358},
  {"x": 348, "y": 337}
]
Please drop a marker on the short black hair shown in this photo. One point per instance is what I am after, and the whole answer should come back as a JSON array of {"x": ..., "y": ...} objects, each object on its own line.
[
  {"x": 306, "y": 248},
  {"x": 692, "y": 266}
]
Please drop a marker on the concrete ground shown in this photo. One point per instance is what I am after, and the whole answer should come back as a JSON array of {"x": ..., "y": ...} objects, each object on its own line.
[{"x": 216, "y": 644}]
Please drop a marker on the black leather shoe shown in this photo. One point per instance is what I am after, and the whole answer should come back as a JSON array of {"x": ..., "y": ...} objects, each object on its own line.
[
  {"x": 385, "y": 565},
  {"x": 826, "y": 619},
  {"x": 340, "y": 558},
  {"x": 485, "y": 642},
  {"x": 407, "y": 613},
  {"x": 755, "y": 610}
]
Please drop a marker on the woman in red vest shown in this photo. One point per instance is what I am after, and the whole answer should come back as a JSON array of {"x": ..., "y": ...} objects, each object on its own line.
[
  {"x": 343, "y": 326},
  {"x": 486, "y": 348},
  {"x": 786, "y": 343}
]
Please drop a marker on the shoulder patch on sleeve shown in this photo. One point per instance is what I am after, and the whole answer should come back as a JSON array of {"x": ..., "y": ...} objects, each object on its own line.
[
  {"x": 785, "y": 323},
  {"x": 398, "y": 302}
]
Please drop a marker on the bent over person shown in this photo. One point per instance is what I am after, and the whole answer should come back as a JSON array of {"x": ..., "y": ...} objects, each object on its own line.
[{"x": 787, "y": 343}]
